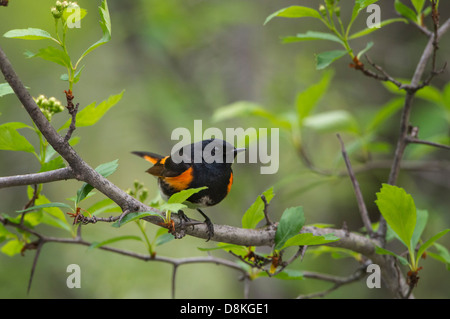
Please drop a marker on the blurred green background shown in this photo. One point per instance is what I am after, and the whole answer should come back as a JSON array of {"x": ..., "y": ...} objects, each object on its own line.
[{"x": 179, "y": 61}]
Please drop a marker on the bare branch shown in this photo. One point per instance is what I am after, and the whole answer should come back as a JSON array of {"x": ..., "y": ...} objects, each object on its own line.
[
  {"x": 338, "y": 281},
  {"x": 359, "y": 197},
  {"x": 418, "y": 141},
  {"x": 37, "y": 178}
]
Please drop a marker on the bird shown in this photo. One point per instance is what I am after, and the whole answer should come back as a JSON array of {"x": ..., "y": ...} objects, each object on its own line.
[{"x": 204, "y": 163}]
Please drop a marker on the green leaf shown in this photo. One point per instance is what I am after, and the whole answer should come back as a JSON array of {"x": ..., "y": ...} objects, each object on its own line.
[
  {"x": 29, "y": 34},
  {"x": 182, "y": 196},
  {"x": 442, "y": 255},
  {"x": 399, "y": 210},
  {"x": 421, "y": 222},
  {"x": 37, "y": 207},
  {"x": 287, "y": 274},
  {"x": 91, "y": 114},
  {"x": 11, "y": 140},
  {"x": 53, "y": 164},
  {"x": 134, "y": 216},
  {"x": 385, "y": 112},
  {"x": 382, "y": 251},
  {"x": 359, "y": 5},
  {"x": 430, "y": 242},
  {"x": 418, "y": 5},
  {"x": 405, "y": 11},
  {"x": 324, "y": 59},
  {"x": 367, "y": 48},
  {"x": 370, "y": 30},
  {"x": 163, "y": 236},
  {"x": 52, "y": 54},
  {"x": 255, "y": 213},
  {"x": 308, "y": 239},
  {"x": 106, "y": 205},
  {"x": 76, "y": 77},
  {"x": 12, "y": 247},
  {"x": 105, "y": 24},
  {"x": 332, "y": 121},
  {"x": 114, "y": 240},
  {"x": 241, "y": 109},
  {"x": 312, "y": 35},
  {"x": 105, "y": 170},
  {"x": 235, "y": 249},
  {"x": 5, "y": 89},
  {"x": 290, "y": 224},
  {"x": 294, "y": 12},
  {"x": 173, "y": 207},
  {"x": 309, "y": 98}
]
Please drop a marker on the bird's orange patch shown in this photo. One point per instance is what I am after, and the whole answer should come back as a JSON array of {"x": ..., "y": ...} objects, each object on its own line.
[
  {"x": 163, "y": 160},
  {"x": 152, "y": 160},
  {"x": 182, "y": 181},
  {"x": 230, "y": 183}
]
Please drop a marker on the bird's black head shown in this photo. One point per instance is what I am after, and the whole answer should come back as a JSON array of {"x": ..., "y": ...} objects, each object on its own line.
[{"x": 211, "y": 151}]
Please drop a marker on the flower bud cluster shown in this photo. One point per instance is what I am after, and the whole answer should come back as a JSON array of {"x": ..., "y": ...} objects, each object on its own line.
[
  {"x": 49, "y": 106},
  {"x": 58, "y": 9}
]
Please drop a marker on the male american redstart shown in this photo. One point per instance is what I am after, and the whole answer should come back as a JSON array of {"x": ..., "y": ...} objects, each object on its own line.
[{"x": 205, "y": 163}]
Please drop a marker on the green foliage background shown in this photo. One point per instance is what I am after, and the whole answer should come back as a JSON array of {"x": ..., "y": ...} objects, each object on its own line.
[{"x": 179, "y": 61}]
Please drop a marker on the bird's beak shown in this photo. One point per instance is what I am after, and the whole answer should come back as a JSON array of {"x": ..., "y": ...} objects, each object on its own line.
[{"x": 237, "y": 150}]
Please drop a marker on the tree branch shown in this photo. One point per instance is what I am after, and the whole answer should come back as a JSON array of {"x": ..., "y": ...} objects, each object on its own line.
[
  {"x": 359, "y": 197},
  {"x": 37, "y": 178}
]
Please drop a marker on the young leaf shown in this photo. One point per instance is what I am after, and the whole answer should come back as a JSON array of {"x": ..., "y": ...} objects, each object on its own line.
[
  {"x": 430, "y": 242},
  {"x": 182, "y": 196},
  {"x": 367, "y": 48},
  {"x": 308, "y": 239},
  {"x": 11, "y": 140},
  {"x": 5, "y": 89},
  {"x": 324, "y": 59},
  {"x": 255, "y": 213},
  {"x": 294, "y": 12},
  {"x": 290, "y": 224},
  {"x": 91, "y": 114},
  {"x": 312, "y": 35},
  {"x": 12, "y": 247},
  {"x": 372, "y": 29},
  {"x": 382, "y": 251},
  {"x": 52, "y": 54},
  {"x": 442, "y": 255},
  {"x": 405, "y": 11},
  {"x": 399, "y": 210},
  {"x": 29, "y": 34},
  {"x": 418, "y": 5},
  {"x": 134, "y": 216},
  {"x": 105, "y": 170},
  {"x": 163, "y": 236},
  {"x": 287, "y": 274},
  {"x": 384, "y": 112},
  {"x": 332, "y": 121},
  {"x": 308, "y": 99},
  {"x": 105, "y": 24},
  {"x": 37, "y": 207},
  {"x": 113, "y": 240},
  {"x": 421, "y": 222}
]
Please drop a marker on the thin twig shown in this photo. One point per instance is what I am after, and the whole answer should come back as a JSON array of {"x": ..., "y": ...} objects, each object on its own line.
[
  {"x": 419, "y": 141},
  {"x": 338, "y": 281},
  {"x": 266, "y": 213},
  {"x": 359, "y": 197}
]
